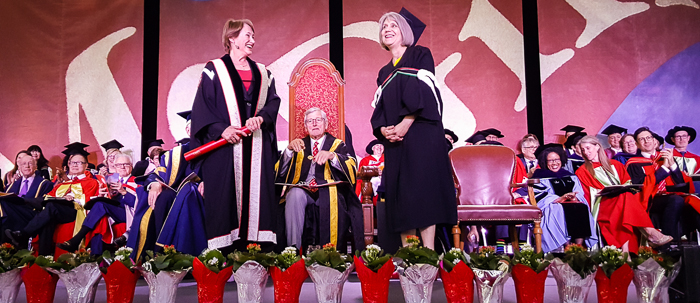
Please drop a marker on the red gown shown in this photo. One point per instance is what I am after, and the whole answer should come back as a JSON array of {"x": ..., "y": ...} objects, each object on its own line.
[
  {"x": 368, "y": 161},
  {"x": 83, "y": 189},
  {"x": 617, "y": 216}
]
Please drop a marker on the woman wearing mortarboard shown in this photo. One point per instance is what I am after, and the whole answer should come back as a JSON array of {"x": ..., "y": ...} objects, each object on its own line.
[{"x": 419, "y": 191}]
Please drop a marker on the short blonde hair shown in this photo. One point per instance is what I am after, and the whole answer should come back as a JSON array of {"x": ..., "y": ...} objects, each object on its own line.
[
  {"x": 232, "y": 28},
  {"x": 405, "y": 29}
]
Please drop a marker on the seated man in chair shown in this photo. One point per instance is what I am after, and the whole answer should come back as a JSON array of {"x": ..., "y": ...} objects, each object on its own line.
[{"x": 314, "y": 165}]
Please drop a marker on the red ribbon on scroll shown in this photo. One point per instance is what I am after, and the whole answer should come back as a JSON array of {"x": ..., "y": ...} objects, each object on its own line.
[{"x": 209, "y": 147}]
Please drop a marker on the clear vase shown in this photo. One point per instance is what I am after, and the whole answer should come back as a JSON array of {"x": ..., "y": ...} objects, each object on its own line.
[
  {"x": 162, "y": 288},
  {"x": 652, "y": 283},
  {"x": 329, "y": 282},
  {"x": 489, "y": 284},
  {"x": 81, "y": 282},
  {"x": 10, "y": 282},
  {"x": 417, "y": 282},
  {"x": 572, "y": 288},
  {"x": 250, "y": 279}
]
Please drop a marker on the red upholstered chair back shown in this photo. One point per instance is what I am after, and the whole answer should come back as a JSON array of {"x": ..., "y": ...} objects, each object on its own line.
[
  {"x": 483, "y": 174},
  {"x": 316, "y": 83}
]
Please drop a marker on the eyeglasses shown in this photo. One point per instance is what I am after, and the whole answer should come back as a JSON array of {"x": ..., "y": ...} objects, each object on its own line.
[
  {"x": 681, "y": 137},
  {"x": 530, "y": 147},
  {"x": 122, "y": 165},
  {"x": 76, "y": 163},
  {"x": 646, "y": 139},
  {"x": 317, "y": 120}
]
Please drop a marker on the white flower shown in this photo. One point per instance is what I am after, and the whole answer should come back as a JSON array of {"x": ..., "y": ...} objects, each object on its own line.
[
  {"x": 206, "y": 251},
  {"x": 124, "y": 250},
  {"x": 290, "y": 250},
  {"x": 214, "y": 261},
  {"x": 374, "y": 247},
  {"x": 527, "y": 248},
  {"x": 50, "y": 258},
  {"x": 119, "y": 258},
  {"x": 455, "y": 251},
  {"x": 147, "y": 266}
]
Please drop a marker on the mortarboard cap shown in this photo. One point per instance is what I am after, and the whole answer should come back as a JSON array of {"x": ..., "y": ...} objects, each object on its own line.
[
  {"x": 672, "y": 132},
  {"x": 112, "y": 144},
  {"x": 613, "y": 129},
  {"x": 491, "y": 143},
  {"x": 492, "y": 131},
  {"x": 76, "y": 148},
  {"x": 156, "y": 142},
  {"x": 187, "y": 115},
  {"x": 416, "y": 25},
  {"x": 573, "y": 139},
  {"x": 76, "y": 145},
  {"x": 452, "y": 134},
  {"x": 371, "y": 144},
  {"x": 572, "y": 128},
  {"x": 476, "y": 137},
  {"x": 139, "y": 171}
]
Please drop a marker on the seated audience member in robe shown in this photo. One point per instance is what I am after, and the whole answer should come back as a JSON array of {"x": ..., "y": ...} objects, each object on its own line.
[
  {"x": 451, "y": 138},
  {"x": 527, "y": 160},
  {"x": 315, "y": 160},
  {"x": 154, "y": 152},
  {"x": 570, "y": 130},
  {"x": 618, "y": 216},
  {"x": 32, "y": 188},
  {"x": 574, "y": 154},
  {"x": 629, "y": 149},
  {"x": 65, "y": 204},
  {"x": 375, "y": 157},
  {"x": 614, "y": 134},
  {"x": 14, "y": 174},
  {"x": 566, "y": 217},
  {"x": 112, "y": 149},
  {"x": 42, "y": 165},
  {"x": 656, "y": 170},
  {"x": 123, "y": 192},
  {"x": 680, "y": 137}
]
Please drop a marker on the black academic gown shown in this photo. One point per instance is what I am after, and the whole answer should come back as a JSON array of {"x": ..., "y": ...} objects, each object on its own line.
[
  {"x": 417, "y": 174},
  {"x": 210, "y": 117},
  {"x": 338, "y": 208}
]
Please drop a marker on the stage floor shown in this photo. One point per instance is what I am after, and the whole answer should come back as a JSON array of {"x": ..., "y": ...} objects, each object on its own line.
[{"x": 187, "y": 292}]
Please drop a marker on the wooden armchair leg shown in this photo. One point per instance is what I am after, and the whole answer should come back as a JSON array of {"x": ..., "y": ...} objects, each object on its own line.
[
  {"x": 538, "y": 237},
  {"x": 514, "y": 238},
  {"x": 457, "y": 236}
]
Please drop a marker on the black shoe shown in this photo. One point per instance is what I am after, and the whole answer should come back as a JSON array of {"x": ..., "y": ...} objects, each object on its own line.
[
  {"x": 14, "y": 236},
  {"x": 121, "y": 241},
  {"x": 68, "y": 246}
]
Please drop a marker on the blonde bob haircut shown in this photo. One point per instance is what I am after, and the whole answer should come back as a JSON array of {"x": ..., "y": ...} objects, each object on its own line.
[
  {"x": 232, "y": 28},
  {"x": 405, "y": 29}
]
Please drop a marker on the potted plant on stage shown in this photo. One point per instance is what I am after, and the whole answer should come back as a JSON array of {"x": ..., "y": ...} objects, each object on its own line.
[
  {"x": 250, "y": 273},
  {"x": 653, "y": 273},
  {"x": 288, "y": 275},
  {"x": 529, "y": 273},
  {"x": 574, "y": 274},
  {"x": 163, "y": 272},
  {"x": 211, "y": 271},
  {"x": 39, "y": 284},
  {"x": 374, "y": 269},
  {"x": 329, "y": 270},
  {"x": 491, "y": 271},
  {"x": 80, "y": 272},
  {"x": 457, "y": 277},
  {"x": 417, "y": 267},
  {"x": 10, "y": 278},
  {"x": 120, "y": 275},
  {"x": 614, "y": 274}
]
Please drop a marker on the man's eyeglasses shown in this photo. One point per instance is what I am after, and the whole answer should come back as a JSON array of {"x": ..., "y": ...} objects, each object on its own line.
[
  {"x": 317, "y": 120},
  {"x": 76, "y": 163},
  {"x": 681, "y": 137},
  {"x": 122, "y": 165},
  {"x": 646, "y": 139}
]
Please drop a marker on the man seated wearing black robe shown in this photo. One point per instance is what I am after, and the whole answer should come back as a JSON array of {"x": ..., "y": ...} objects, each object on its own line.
[
  {"x": 31, "y": 188},
  {"x": 315, "y": 161}
]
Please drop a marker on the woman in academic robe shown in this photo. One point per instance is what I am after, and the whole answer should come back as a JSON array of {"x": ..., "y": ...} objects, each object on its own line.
[
  {"x": 566, "y": 217},
  {"x": 419, "y": 190},
  {"x": 239, "y": 194},
  {"x": 619, "y": 216},
  {"x": 629, "y": 149}
]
